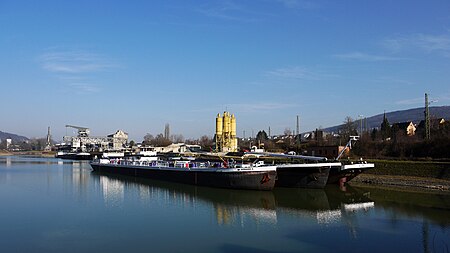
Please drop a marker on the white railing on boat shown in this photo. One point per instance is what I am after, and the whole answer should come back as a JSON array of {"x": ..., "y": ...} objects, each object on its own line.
[{"x": 180, "y": 164}]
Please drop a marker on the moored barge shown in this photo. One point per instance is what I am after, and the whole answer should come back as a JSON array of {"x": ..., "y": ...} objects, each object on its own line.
[
  {"x": 347, "y": 171},
  {"x": 256, "y": 176},
  {"x": 74, "y": 155},
  {"x": 304, "y": 175}
]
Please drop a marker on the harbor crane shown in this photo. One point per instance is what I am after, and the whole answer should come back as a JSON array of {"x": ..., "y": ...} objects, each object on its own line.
[
  {"x": 82, "y": 131},
  {"x": 349, "y": 145}
]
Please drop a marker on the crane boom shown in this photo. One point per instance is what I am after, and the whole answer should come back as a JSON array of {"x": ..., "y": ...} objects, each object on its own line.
[
  {"x": 82, "y": 131},
  {"x": 349, "y": 145}
]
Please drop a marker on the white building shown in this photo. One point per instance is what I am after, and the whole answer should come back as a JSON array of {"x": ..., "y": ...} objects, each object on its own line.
[
  {"x": 8, "y": 143},
  {"x": 118, "y": 140}
]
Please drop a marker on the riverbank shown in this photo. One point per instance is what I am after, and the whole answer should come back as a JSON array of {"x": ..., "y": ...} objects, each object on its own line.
[
  {"x": 422, "y": 175},
  {"x": 28, "y": 153},
  {"x": 5, "y": 153},
  {"x": 431, "y": 184}
]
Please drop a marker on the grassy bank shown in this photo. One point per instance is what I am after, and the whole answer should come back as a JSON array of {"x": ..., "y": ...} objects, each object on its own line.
[
  {"x": 422, "y": 175},
  {"x": 425, "y": 169}
]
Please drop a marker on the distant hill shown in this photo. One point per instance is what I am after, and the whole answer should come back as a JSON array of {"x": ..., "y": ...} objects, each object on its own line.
[
  {"x": 13, "y": 137},
  {"x": 414, "y": 115}
]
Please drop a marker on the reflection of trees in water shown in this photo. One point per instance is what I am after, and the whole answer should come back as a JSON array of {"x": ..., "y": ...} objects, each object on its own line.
[
  {"x": 433, "y": 207},
  {"x": 430, "y": 210}
]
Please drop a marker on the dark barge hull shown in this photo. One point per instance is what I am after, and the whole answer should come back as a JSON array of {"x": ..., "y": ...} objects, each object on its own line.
[
  {"x": 338, "y": 177},
  {"x": 301, "y": 177},
  {"x": 342, "y": 174},
  {"x": 75, "y": 157},
  {"x": 249, "y": 180}
]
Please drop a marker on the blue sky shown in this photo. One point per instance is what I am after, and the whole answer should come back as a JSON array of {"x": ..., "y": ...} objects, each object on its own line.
[{"x": 136, "y": 65}]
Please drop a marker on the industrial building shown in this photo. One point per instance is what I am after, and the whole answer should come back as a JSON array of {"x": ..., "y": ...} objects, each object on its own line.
[
  {"x": 225, "y": 137},
  {"x": 85, "y": 143}
]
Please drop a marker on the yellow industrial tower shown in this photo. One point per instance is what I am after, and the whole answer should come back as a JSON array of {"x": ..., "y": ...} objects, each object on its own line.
[{"x": 226, "y": 140}]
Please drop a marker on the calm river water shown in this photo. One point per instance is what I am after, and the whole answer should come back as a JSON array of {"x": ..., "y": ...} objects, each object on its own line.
[{"x": 51, "y": 205}]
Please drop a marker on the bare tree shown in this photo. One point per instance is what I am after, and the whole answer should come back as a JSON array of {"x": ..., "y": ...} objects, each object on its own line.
[
  {"x": 161, "y": 141},
  {"x": 148, "y": 139},
  {"x": 287, "y": 131},
  {"x": 348, "y": 129},
  {"x": 206, "y": 142},
  {"x": 177, "y": 138}
]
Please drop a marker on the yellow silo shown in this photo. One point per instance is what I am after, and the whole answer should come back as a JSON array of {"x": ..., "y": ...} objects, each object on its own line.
[
  {"x": 225, "y": 138},
  {"x": 233, "y": 126},
  {"x": 226, "y": 123},
  {"x": 219, "y": 125}
]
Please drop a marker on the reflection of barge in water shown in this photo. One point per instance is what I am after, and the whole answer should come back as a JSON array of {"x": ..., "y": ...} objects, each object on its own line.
[
  {"x": 233, "y": 206},
  {"x": 326, "y": 205},
  {"x": 256, "y": 176},
  {"x": 230, "y": 206}
]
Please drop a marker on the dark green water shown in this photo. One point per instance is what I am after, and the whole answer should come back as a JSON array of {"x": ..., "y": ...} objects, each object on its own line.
[{"x": 50, "y": 205}]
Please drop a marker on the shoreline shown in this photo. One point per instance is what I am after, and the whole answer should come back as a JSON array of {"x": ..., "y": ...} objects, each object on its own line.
[
  {"x": 46, "y": 154},
  {"x": 402, "y": 182},
  {"x": 386, "y": 174}
]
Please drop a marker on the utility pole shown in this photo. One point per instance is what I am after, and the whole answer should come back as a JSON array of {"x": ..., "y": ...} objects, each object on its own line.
[
  {"x": 427, "y": 118},
  {"x": 360, "y": 124},
  {"x": 365, "y": 125},
  {"x": 297, "y": 127}
]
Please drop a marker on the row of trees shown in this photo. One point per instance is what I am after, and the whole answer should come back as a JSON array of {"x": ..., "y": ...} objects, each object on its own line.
[
  {"x": 387, "y": 141},
  {"x": 382, "y": 142},
  {"x": 205, "y": 141},
  {"x": 390, "y": 141},
  {"x": 161, "y": 141},
  {"x": 32, "y": 144}
]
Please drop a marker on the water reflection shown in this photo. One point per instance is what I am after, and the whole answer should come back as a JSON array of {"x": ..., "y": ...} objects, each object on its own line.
[
  {"x": 18, "y": 160},
  {"x": 234, "y": 207},
  {"x": 102, "y": 207},
  {"x": 113, "y": 191},
  {"x": 412, "y": 204}
]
